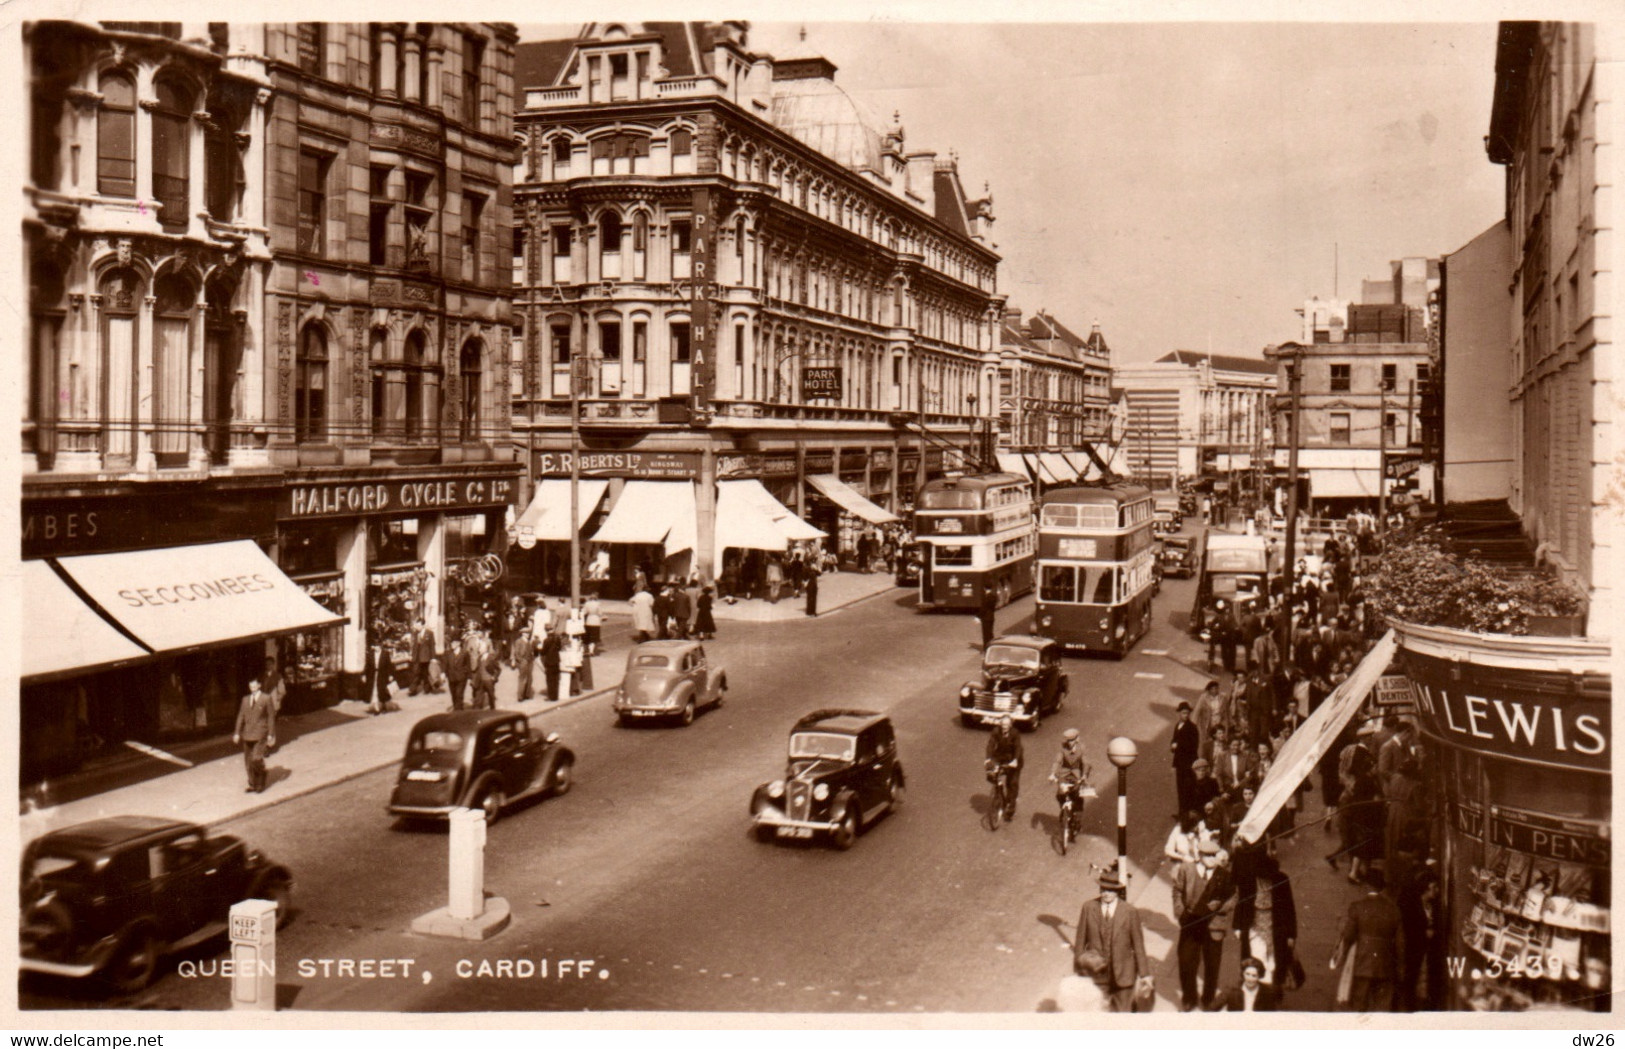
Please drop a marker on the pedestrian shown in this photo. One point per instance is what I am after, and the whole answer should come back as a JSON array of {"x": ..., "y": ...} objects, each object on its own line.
[
  {"x": 1111, "y": 928},
  {"x": 486, "y": 674},
  {"x": 1204, "y": 788},
  {"x": 810, "y": 576},
  {"x": 592, "y": 617},
  {"x": 1251, "y": 995},
  {"x": 643, "y": 616},
  {"x": 570, "y": 662},
  {"x": 662, "y": 611},
  {"x": 1394, "y": 753},
  {"x": 255, "y": 732},
  {"x": 682, "y": 610},
  {"x": 1267, "y": 920},
  {"x": 384, "y": 666},
  {"x": 986, "y": 612},
  {"x": 1185, "y": 746},
  {"x": 775, "y": 578},
  {"x": 1004, "y": 748},
  {"x": 423, "y": 651},
  {"x": 1212, "y": 709},
  {"x": 705, "y": 625},
  {"x": 1082, "y": 992},
  {"x": 1367, "y": 949},
  {"x": 273, "y": 684},
  {"x": 552, "y": 650},
  {"x": 1203, "y": 895},
  {"x": 524, "y": 661},
  {"x": 1420, "y": 924},
  {"x": 457, "y": 670},
  {"x": 1183, "y": 839}
]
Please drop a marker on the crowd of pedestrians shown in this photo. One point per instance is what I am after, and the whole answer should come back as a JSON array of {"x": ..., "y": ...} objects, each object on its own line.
[{"x": 1283, "y": 653}]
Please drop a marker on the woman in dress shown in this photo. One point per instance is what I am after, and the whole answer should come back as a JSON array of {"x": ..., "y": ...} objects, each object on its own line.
[{"x": 705, "y": 626}]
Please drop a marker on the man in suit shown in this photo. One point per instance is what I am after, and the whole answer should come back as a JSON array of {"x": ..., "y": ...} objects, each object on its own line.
[
  {"x": 1371, "y": 931},
  {"x": 1253, "y": 996},
  {"x": 255, "y": 732},
  {"x": 1109, "y": 927},
  {"x": 1203, "y": 894},
  {"x": 1186, "y": 747},
  {"x": 457, "y": 671},
  {"x": 423, "y": 650}
]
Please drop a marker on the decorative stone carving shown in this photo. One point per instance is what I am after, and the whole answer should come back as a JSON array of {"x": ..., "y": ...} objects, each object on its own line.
[
  {"x": 284, "y": 372},
  {"x": 125, "y": 251}
]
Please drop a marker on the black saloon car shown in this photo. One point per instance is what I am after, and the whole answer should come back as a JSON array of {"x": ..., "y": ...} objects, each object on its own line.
[
  {"x": 108, "y": 898},
  {"x": 1021, "y": 678},
  {"x": 477, "y": 759},
  {"x": 843, "y": 773},
  {"x": 1180, "y": 555}
]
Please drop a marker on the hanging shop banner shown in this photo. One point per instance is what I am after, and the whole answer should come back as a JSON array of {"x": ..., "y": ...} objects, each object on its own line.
[
  {"x": 393, "y": 496},
  {"x": 652, "y": 465},
  {"x": 820, "y": 381}
]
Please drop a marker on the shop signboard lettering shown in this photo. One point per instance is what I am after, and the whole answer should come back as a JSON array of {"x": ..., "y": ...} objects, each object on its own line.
[
  {"x": 820, "y": 462},
  {"x": 59, "y": 527},
  {"x": 1393, "y": 694},
  {"x": 1570, "y": 731},
  {"x": 734, "y": 466},
  {"x": 670, "y": 465},
  {"x": 820, "y": 381},
  {"x": 779, "y": 466},
  {"x": 304, "y": 501},
  {"x": 1542, "y": 836}
]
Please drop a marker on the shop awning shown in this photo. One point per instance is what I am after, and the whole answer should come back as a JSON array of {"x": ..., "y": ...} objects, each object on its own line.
[
  {"x": 1326, "y": 483},
  {"x": 748, "y": 517},
  {"x": 1011, "y": 463},
  {"x": 181, "y": 598},
  {"x": 1058, "y": 467},
  {"x": 1318, "y": 734},
  {"x": 1036, "y": 468},
  {"x": 659, "y": 513},
  {"x": 850, "y": 499},
  {"x": 548, "y": 514},
  {"x": 63, "y": 635}
]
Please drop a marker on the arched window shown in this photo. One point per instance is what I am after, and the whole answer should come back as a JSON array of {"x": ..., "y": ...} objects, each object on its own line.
[
  {"x": 415, "y": 344},
  {"x": 471, "y": 377},
  {"x": 171, "y": 151},
  {"x": 175, "y": 301},
  {"x": 560, "y": 149},
  {"x": 310, "y": 385},
  {"x": 640, "y": 245},
  {"x": 121, "y": 291},
  {"x": 115, "y": 136},
  {"x": 609, "y": 246}
]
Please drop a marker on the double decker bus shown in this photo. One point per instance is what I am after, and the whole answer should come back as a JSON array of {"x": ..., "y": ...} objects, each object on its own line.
[
  {"x": 974, "y": 534},
  {"x": 1096, "y": 567}
]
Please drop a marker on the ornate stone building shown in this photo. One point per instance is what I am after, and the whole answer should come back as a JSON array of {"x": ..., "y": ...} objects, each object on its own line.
[{"x": 747, "y": 273}]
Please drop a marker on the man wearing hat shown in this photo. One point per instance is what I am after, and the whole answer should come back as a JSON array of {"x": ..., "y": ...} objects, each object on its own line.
[
  {"x": 1204, "y": 788},
  {"x": 1203, "y": 895},
  {"x": 1186, "y": 747},
  {"x": 1070, "y": 772},
  {"x": 1109, "y": 927}
]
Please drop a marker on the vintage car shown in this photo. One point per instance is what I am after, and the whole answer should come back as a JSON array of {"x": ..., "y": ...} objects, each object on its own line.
[
  {"x": 1021, "y": 677},
  {"x": 108, "y": 898},
  {"x": 1181, "y": 555},
  {"x": 477, "y": 759},
  {"x": 668, "y": 680},
  {"x": 843, "y": 773},
  {"x": 909, "y": 560}
]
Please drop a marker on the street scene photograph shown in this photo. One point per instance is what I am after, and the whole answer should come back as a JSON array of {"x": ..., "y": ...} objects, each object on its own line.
[{"x": 879, "y": 522}]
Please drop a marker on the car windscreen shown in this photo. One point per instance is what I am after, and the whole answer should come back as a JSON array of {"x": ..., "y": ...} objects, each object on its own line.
[
  {"x": 1010, "y": 655},
  {"x": 440, "y": 741},
  {"x": 822, "y": 745},
  {"x": 1230, "y": 586},
  {"x": 44, "y": 864},
  {"x": 649, "y": 659}
]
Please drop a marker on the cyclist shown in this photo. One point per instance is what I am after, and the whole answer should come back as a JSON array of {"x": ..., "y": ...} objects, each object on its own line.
[
  {"x": 1004, "y": 747},
  {"x": 1071, "y": 773}
]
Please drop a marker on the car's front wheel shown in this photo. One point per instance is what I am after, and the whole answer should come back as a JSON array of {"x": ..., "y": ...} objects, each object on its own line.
[
  {"x": 279, "y": 890},
  {"x": 563, "y": 777},
  {"x": 894, "y": 792},
  {"x": 846, "y": 828},
  {"x": 134, "y": 962},
  {"x": 687, "y": 716}
]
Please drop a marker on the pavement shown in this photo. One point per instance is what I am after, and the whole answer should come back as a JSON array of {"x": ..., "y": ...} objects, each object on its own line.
[{"x": 341, "y": 742}]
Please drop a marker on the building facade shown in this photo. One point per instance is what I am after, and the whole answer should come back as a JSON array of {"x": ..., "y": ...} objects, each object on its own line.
[
  {"x": 1361, "y": 395},
  {"x": 247, "y": 384},
  {"x": 1474, "y": 369},
  {"x": 745, "y": 275},
  {"x": 1192, "y": 416},
  {"x": 1054, "y": 385}
]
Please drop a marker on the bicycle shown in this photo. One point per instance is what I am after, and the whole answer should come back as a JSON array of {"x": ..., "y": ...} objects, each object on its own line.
[
  {"x": 1070, "y": 797},
  {"x": 998, "y": 774}
]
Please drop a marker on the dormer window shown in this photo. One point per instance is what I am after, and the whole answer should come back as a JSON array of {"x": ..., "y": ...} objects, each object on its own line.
[{"x": 619, "y": 76}]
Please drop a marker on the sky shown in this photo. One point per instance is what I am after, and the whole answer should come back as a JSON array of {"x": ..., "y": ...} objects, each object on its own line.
[{"x": 1187, "y": 185}]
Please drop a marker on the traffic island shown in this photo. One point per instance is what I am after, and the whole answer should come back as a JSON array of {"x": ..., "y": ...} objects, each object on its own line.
[
  {"x": 470, "y": 912},
  {"x": 442, "y": 923}
]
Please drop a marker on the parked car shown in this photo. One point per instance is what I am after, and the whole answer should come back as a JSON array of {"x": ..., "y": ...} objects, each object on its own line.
[
  {"x": 843, "y": 773},
  {"x": 668, "y": 679},
  {"x": 477, "y": 759},
  {"x": 1021, "y": 677},
  {"x": 107, "y": 899},
  {"x": 1181, "y": 555}
]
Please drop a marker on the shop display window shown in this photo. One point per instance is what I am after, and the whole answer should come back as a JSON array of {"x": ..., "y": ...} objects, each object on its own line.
[{"x": 316, "y": 656}]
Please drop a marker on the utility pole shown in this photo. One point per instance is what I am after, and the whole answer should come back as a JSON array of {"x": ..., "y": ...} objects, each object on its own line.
[
  {"x": 575, "y": 479},
  {"x": 1294, "y": 386},
  {"x": 1382, "y": 458}
]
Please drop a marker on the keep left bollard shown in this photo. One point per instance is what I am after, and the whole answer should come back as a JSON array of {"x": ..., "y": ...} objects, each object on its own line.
[
  {"x": 469, "y": 913},
  {"x": 253, "y": 955}
]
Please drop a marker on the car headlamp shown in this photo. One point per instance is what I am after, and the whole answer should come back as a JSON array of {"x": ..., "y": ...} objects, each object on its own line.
[
  {"x": 964, "y": 691},
  {"x": 1046, "y": 621},
  {"x": 821, "y": 791},
  {"x": 1119, "y": 631},
  {"x": 776, "y": 789},
  {"x": 1105, "y": 624}
]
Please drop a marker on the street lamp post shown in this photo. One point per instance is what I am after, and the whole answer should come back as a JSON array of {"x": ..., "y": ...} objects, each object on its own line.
[{"x": 1122, "y": 752}]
